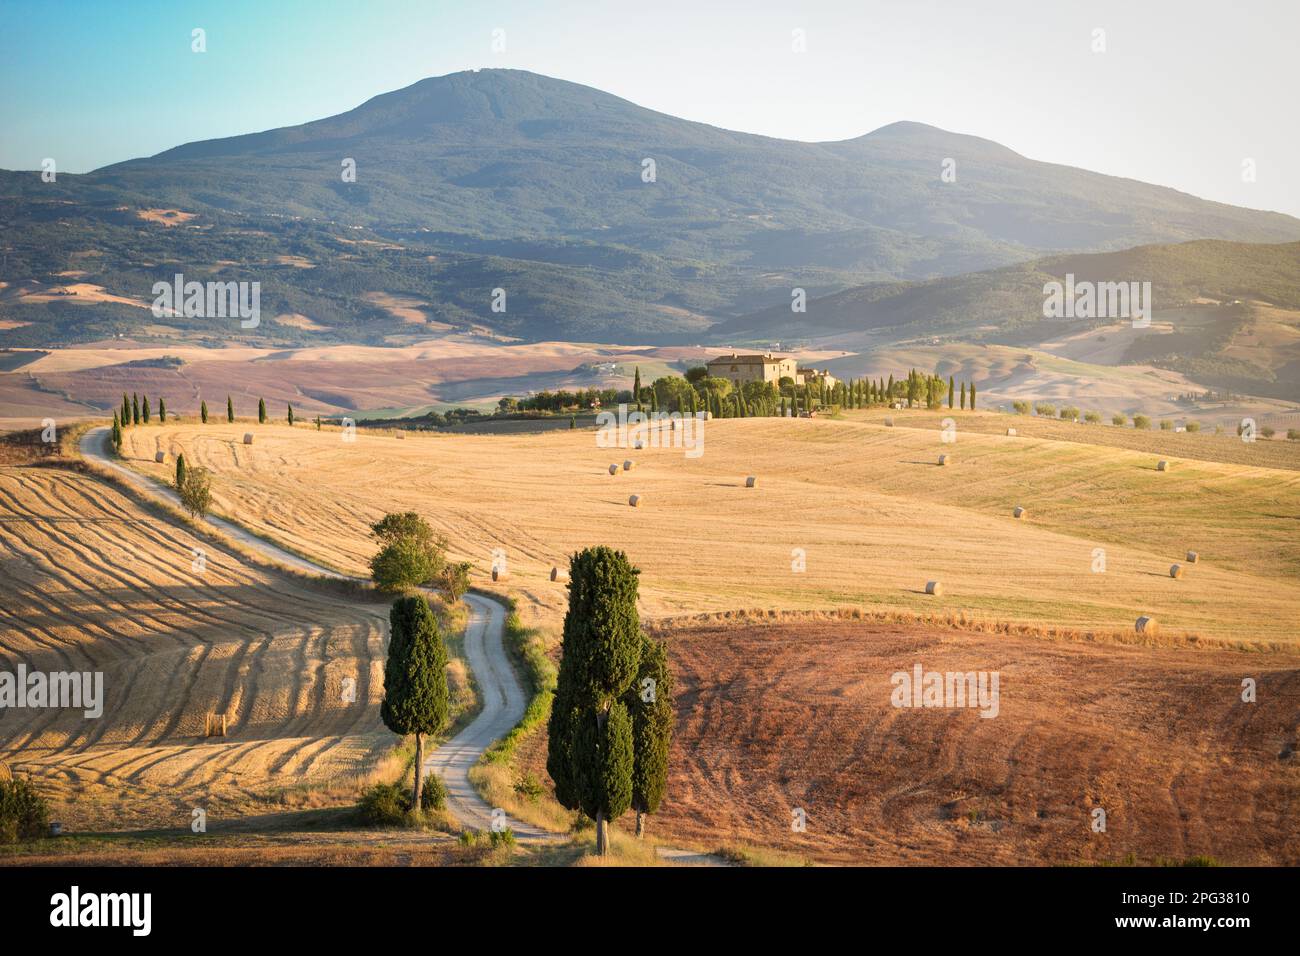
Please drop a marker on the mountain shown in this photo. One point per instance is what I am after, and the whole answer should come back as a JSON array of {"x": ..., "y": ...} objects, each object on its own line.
[{"x": 514, "y": 180}]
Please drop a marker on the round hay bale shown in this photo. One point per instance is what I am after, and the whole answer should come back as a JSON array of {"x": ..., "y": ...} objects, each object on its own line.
[
  {"x": 943, "y": 460},
  {"x": 1162, "y": 465},
  {"x": 613, "y": 469},
  {"x": 1018, "y": 512},
  {"x": 628, "y": 464},
  {"x": 934, "y": 587},
  {"x": 638, "y": 445},
  {"x": 1192, "y": 557},
  {"x": 751, "y": 481},
  {"x": 634, "y": 501},
  {"x": 559, "y": 574},
  {"x": 498, "y": 574},
  {"x": 889, "y": 423},
  {"x": 248, "y": 438},
  {"x": 160, "y": 456},
  {"x": 1011, "y": 433},
  {"x": 1145, "y": 625},
  {"x": 401, "y": 435},
  {"x": 1175, "y": 570}
]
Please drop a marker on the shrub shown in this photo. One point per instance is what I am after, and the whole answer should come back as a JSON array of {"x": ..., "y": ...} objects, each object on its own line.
[
  {"x": 530, "y": 788},
  {"x": 410, "y": 554},
  {"x": 1267, "y": 431},
  {"x": 24, "y": 814},
  {"x": 1193, "y": 426},
  {"x": 1022, "y": 408},
  {"x": 1166, "y": 425},
  {"x": 1069, "y": 413},
  {"x": 1046, "y": 409},
  {"x": 384, "y": 805},
  {"x": 196, "y": 491},
  {"x": 1119, "y": 419},
  {"x": 434, "y": 794},
  {"x": 1293, "y": 434},
  {"x": 504, "y": 837},
  {"x": 1141, "y": 421},
  {"x": 1092, "y": 418}
]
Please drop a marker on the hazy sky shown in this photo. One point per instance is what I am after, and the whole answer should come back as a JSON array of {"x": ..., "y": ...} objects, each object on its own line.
[{"x": 1183, "y": 94}]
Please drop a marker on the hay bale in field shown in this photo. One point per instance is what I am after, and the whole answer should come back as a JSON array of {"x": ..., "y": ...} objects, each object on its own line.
[
  {"x": 628, "y": 464},
  {"x": 1175, "y": 570},
  {"x": 401, "y": 435},
  {"x": 1011, "y": 433},
  {"x": 160, "y": 456},
  {"x": 248, "y": 438},
  {"x": 943, "y": 460},
  {"x": 889, "y": 423},
  {"x": 559, "y": 574},
  {"x": 1017, "y": 512},
  {"x": 1145, "y": 625},
  {"x": 934, "y": 587},
  {"x": 613, "y": 469},
  {"x": 498, "y": 574},
  {"x": 214, "y": 725},
  {"x": 638, "y": 445},
  {"x": 1162, "y": 465},
  {"x": 634, "y": 501},
  {"x": 751, "y": 481},
  {"x": 1192, "y": 557}
]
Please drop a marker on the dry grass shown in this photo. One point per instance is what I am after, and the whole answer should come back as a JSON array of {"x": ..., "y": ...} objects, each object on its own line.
[{"x": 872, "y": 513}]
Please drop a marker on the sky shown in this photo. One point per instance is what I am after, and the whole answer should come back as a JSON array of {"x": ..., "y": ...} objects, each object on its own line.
[{"x": 1184, "y": 94}]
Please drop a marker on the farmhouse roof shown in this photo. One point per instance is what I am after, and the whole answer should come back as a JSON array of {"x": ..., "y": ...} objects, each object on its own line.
[{"x": 734, "y": 359}]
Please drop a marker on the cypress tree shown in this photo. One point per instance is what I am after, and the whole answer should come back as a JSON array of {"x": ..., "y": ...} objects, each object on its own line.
[
  {"x": 415, "y": 678},
  {"x": 117, "y": 433},
  {"x": 162, "y": 411},
  {"x": 144, "y": 409},
  {"x": 135, "y": 409},
  {"x": 650, "y": 702},
  {"x": 230, "y": 409},
  {"x": 203, "y": 412},
  {"x": 180, "y": 472},
  {"x": 950, "y": 391},
  {"x": 783, "y": 409},
  {"x": 126, "y": 409},
  {"x": 972, "y": 396},
  {"x": 291, "y": 415},
  {"x": 636, "y": 388},
  {"x": 261, "y": 411},
  {"x": 589, "y": 734},
  {"x": 963, "y": 396},
  {"x": 654, "y": 401},
  {"x": 573, "y": 422}
]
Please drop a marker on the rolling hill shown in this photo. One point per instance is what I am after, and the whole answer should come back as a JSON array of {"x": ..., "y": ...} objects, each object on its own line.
[{"x": 503, "y": 178}]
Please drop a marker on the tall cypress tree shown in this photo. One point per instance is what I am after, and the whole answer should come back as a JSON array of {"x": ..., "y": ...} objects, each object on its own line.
[
  {"x": 290, "y": 414},
  {"x": 135, "y": 409},
  {"x": 950, "y": 391},
  {"x": 126, "y": 410},
  {"x": 162, "y": 411},
  {"x": 636, "y": 388},
  {"x": 180, "y": 471},
  {"x": 972, "y": 396},
  {"x": 203, "y": 412},
  {"x": 230, "y": 409},
  {"x": 650, "y": 702},
  {"x": 589, "y": 734},
  {"x": 261, "y": 411},
  {"x": 415, "y": 678}
]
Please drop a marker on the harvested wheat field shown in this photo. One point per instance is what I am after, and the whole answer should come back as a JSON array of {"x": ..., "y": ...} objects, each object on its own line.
[
  {"x": 797, "y": 714},
  {"x": 91, "y": 582},
  {"x": 861, "y": 508}
]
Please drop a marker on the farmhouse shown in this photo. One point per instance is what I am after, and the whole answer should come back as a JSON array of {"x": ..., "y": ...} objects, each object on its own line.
[
  {"x": 752, "y": 368},
  {"x": 813, "y": 376}
]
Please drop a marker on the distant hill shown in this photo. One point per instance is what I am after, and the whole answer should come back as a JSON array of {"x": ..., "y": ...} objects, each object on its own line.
[
  {"x": 1229, "y": 313},
  {"x": 516, "y": 180}
]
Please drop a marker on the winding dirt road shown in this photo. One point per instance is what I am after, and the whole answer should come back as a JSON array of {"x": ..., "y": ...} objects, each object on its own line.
[{"x": 503, "y": 698}]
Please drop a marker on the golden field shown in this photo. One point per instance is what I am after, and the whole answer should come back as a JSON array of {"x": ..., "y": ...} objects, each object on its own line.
[
  {"x": 92, "y": 582},
  {"x": 873, "y": 513}
]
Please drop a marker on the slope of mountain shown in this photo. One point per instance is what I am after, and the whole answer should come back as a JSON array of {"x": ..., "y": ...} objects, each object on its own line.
[
  {"x": 1225, "y": 314},
  {"x": 504, "y": 172}
]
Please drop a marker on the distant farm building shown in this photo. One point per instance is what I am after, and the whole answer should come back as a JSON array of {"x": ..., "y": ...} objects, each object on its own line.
[{"x": 767, "y": 367}]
